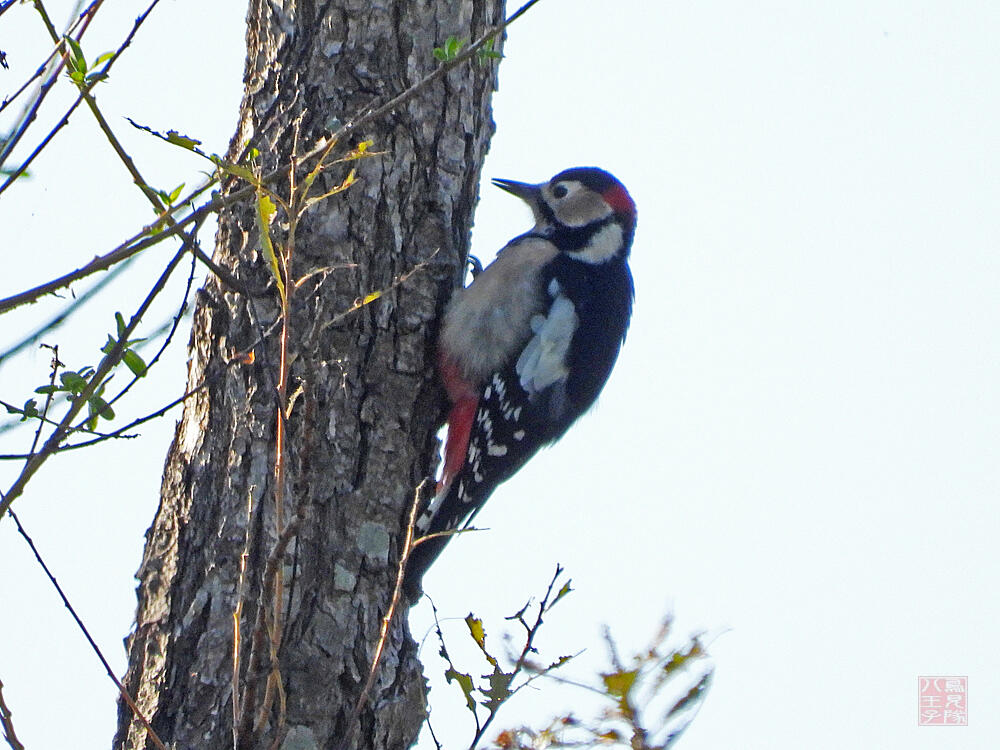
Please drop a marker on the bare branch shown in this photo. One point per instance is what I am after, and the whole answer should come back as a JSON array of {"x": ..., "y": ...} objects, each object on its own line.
[
  {"x": 7, "y": 723},
  {"x": 86, "y": 634}
]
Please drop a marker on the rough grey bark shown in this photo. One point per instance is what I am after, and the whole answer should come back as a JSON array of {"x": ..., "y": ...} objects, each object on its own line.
[{"x": 361, "y": 429}]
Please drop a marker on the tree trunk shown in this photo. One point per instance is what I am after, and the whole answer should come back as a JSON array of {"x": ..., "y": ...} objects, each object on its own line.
[{"x": 363, "y": 403}]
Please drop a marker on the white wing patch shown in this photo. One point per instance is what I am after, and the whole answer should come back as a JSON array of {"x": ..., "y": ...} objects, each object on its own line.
[{"x": 543, "y": 360}]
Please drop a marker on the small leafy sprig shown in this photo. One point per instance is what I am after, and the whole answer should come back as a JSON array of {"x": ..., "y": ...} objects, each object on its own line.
[
  {"x": 79, "y": 71},
  {"x": 452, "y": 48},
  {"x": 72, "y": 383},
  {"x": 131, "y": 358},
  {"x": 493, "y": 690}
]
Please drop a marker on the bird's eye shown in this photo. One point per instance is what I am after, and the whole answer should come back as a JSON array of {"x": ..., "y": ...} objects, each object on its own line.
[{"x": 560, "y": 191}]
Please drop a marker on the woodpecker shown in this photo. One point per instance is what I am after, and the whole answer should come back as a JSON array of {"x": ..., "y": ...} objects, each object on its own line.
[{"x": 525, "y": 349}]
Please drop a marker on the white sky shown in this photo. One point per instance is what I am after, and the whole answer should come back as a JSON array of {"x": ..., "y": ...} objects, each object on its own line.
[{"x": 798, "y": 451}]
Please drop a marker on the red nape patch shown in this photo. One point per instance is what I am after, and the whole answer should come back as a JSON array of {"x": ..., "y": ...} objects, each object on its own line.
[{"x": 620, "y": 201}]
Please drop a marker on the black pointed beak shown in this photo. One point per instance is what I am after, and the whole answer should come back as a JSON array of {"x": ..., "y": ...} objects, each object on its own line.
[{"x": 524, "y": 190}]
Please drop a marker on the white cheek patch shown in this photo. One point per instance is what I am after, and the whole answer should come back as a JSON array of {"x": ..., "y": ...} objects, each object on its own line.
[
  {"x": 603, "y": 246},
  {"x": 543, "y": 360},
  {"x": 581, "y": 208}
]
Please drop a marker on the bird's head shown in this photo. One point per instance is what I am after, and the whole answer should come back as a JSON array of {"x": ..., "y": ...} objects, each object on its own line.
[{"x": 584, "y": 210}]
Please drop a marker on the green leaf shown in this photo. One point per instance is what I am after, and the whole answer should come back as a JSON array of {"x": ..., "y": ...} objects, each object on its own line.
[
  {"x": 238, "y": 170},
  {"x": 135, "y": 363},
  {"x": 449, "y": 50},
  {"x": 103, "y": 58},
  {"x": 181, "y": 140},
  {"x": 266, "y": 208},
  {"x": 566, "y": 588},
  {"x": 46, "y": 389},
  {"x": 29, "y": 410},
  {"x": 77, "y": 59},
  {"x": 679, "y": 659},
  {"x": 265, "y": 212},
  {"x": 558, "y": 662},
  {"x": 175, "y": 193},
  {"x": 499, "y": 689},
  {"x": 484, "y": 55},
  {"x": 476, "y": 629},
  {"x": 478, "y": 633},
  {"x": 120, "y": 324},
  {"x": 99, "y": 408},
  {"x": 619, "y": 683},
  {"x": 73, "y": 381},
  {"x": 465, "y": 683}
]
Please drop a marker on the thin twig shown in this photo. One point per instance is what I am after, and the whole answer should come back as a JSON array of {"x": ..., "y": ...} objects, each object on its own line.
[
  {"x": 170, "y": 333},
  {"x": 63, "y": 315},
  {"x": 277, "y": 592},
  {"x": 7, "y": 426},
  {"x": 7, "y": 723},
  {"x": 531, "y": 631},
  {"x": 371, "y": 297},
  {"x": 237, "y": 619},
  {"x": 133, "y": 245},
  {"x": 120, "y": 432},
  {"x": 257, "y": 638},
  {"x": 56, "y": 364},
  {"x": 83, "y": 628},
  {"x": 447, "y": 657},
  {"x": 227, "y": 277},
  {"x": 383, "y": 637},
  {"x": 239, "y": 359}
]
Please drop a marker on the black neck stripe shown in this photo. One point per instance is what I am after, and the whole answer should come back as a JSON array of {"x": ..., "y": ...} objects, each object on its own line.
[{"x": 570, "y": 239}]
